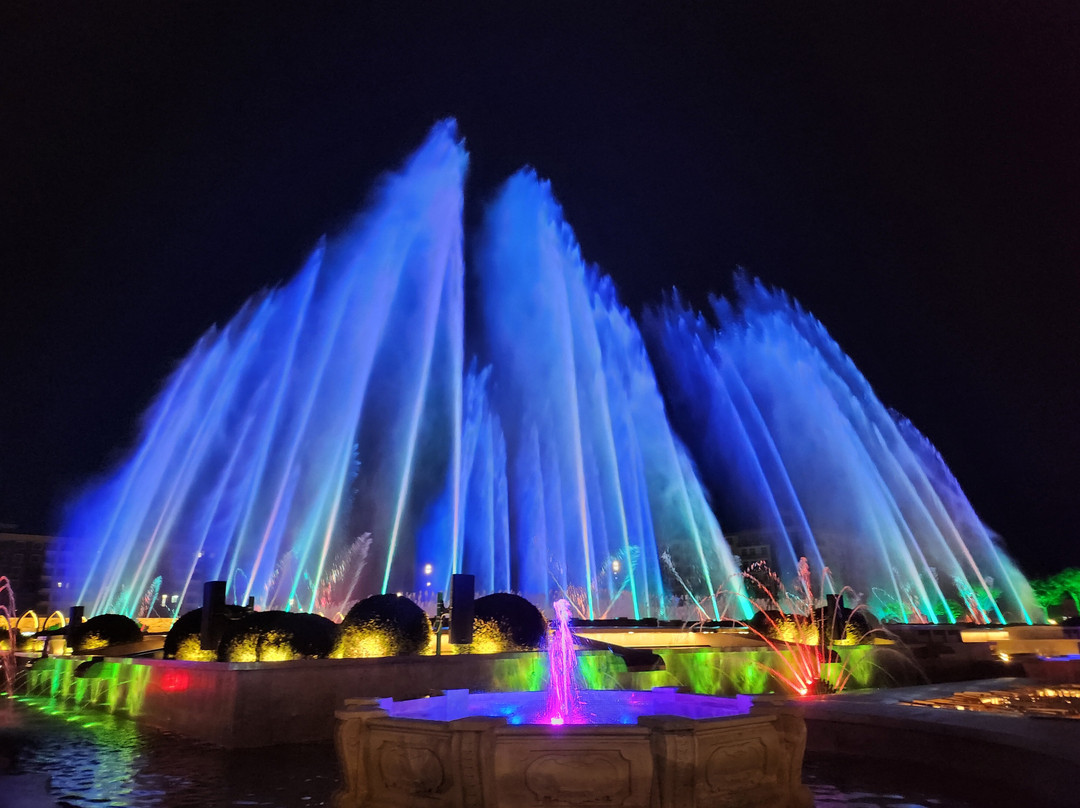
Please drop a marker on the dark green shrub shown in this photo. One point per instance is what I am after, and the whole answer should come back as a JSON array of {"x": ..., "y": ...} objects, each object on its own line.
[
  {"x": 102, "y": 631},
  {"x": 843, "y": 626},
  {"x": 383, "y": 625},
  {"x": 785, "y": 628},
  {"x": 519, "y": 624},
  {"x": 182, "y": 641},
  {"x": 276, "y": 636}
]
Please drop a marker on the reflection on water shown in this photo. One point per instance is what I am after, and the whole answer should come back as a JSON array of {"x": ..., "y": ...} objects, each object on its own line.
[
  {"x": 849, "y": 782},
  {"x": 95, "y": 759}
]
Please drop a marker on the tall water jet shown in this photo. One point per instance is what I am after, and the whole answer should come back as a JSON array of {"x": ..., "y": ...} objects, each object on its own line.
[
  {"x": 250, "y": 460},
  {"x": 599, "y": 486},
  {"x": 798, "y": 449},
  {"x": 563, "y": 705},
  {"x": 474, "y": 514},
  {"x": 9, "y": 637}
]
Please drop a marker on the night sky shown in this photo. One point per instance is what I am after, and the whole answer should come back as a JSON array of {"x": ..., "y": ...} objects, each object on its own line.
[{"x": 909, "y": 171}]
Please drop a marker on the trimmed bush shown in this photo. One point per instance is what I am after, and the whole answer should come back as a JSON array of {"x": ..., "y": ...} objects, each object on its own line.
[
  {"x": 102, "y": 631},
  {"x": 182, "y": 641},
  {"x": 785, "y": 628},
  {"x": 507, "y": 622},
  {"x": 277, "y": 636},
  {"x": 853, "y": 627},
  {"x": 846, "y": 627},
  {"x": 383, "y": 625}
]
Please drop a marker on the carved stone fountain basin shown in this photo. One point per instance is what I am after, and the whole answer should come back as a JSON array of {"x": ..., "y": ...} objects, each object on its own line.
[{"x": 656, "y": 749}]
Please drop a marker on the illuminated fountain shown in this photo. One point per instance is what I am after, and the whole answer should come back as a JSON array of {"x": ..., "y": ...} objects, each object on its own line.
[
  {"x": 9, "y": 636},
  {"x": 353, "y": 432},
  {"x": 564, "y": 700},
  {"x": 339, "y": 405},
  {"x": 803, "y": 636},
  {"x": 593, "y": 510},
  {"x": 566, "y": 746},
  {"x": 798, "y": 450}
]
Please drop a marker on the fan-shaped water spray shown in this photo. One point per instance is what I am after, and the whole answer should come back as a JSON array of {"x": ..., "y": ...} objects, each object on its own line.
[
  {"x": 615, "y": 489},
  {"x": 797, "y": 447},
  {"x": 254, "y": 452},
  {"x": 341, "y": 405}
]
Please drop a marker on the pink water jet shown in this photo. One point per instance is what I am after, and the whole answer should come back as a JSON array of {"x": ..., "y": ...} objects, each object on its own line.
[{"x": 564, "y": 700}]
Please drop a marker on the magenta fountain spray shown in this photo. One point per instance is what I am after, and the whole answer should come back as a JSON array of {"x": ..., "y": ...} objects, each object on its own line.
[
  {"x": 10, "y": 636},
  {"x": 564, "y": 703}
]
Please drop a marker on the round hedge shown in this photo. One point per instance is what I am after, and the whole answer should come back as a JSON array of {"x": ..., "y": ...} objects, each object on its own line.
[
  {"x": 847, "y": 627},
  {"x": 102, "y": 631},
  {"x": 852, "y": 627},
  {"x": 784, "y": 628},
  {"x": 383, "y": 625},
  {"x": 520, "y": 623},
  {"x": 182, "y": 641},
  {"x": 276, "y": 636}
]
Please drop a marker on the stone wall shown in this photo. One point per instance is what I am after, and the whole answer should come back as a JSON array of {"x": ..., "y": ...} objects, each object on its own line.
[{"x": 752, "y": 761}]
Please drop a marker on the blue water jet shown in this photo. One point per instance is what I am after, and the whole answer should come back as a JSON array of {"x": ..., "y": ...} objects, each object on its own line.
[
  {"x": 301, "y": 419},
  {"x": 595, "y": 510},
  {"x": 799, "y": 451}
]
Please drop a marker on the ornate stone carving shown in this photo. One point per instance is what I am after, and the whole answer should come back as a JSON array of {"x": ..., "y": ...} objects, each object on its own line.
[
  {"x": 349, "y": 740},
  {"x": 472, "y": 787},
  {"x": 579, "y": 778},
  {"x": 737, "y": 767},
  {"x": 349, "y": 748},
  {"x": 412, "y": 769}
]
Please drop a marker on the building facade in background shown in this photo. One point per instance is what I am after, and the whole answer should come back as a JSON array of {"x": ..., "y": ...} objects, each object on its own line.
[{"x": 23, "y": 560}]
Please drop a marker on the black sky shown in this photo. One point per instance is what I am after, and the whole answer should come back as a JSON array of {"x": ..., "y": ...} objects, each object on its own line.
[{"x": 908, "y": 171}]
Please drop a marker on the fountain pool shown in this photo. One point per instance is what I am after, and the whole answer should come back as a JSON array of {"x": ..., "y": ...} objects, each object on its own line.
[
  {"x": 593, "y": 707},
  {"x": 682, "y": 751},
  {"x": 569, "y": 746}
]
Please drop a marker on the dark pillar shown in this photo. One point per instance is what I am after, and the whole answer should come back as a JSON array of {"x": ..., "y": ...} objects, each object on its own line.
[
  {"x": 213, "y": 612},
  {"x": 75, "y": 618},
  {"x": 462, "y": 608}
]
